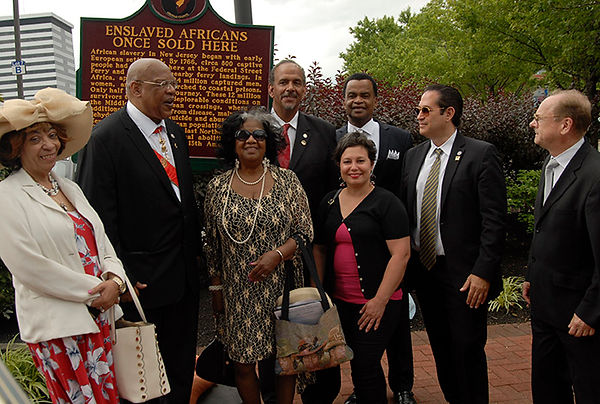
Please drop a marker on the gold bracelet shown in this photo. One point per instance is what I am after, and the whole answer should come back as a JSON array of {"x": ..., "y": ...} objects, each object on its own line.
[
  {"x": 120, "y": 284},
  {"x": 280, "y": 254},
  {"x": 215, "y": 288}
]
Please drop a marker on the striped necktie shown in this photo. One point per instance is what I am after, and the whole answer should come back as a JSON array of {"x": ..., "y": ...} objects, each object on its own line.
[{"x": 428, "y": 229}]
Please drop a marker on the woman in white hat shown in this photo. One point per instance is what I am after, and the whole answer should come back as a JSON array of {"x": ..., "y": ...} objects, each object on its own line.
[{"x": 66, "y": 275}]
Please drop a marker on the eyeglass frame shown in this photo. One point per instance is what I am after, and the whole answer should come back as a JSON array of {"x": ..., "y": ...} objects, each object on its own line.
[
  {"x": 246, "y": 135},
  {"x": 537, "y": 118},
  {"x": 162, "y": 84},
  {"x": 427, "y": 110}
]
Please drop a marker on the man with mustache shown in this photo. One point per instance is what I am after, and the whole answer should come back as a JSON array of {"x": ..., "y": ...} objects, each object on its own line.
[
  {"x": 135, "y": 172},
  {"x": 310, "y": 143},
  {"x": 311, "y": 140},
  {"x": 360, "y": 100},
  {"x": 454, "y": 193}
]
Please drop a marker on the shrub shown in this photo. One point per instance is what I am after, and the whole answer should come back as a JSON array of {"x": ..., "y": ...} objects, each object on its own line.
[
  {"x": 521, "y": 192},
  {"x": 7, "y": 293},
  {"x": 20, "y": 364},
  {"x": 501, "y": 118},
  {"x": 510, "y": 295}
]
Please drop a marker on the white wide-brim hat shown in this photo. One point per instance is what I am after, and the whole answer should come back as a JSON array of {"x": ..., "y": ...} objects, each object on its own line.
[{"x": 54, "y": 106}]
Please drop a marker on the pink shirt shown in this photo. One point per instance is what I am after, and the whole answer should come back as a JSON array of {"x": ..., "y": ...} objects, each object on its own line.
[{"x": 347, "y": 285}]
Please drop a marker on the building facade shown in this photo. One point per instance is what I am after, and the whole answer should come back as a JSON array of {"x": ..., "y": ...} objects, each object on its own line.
[{"x": 46, "y": 48}]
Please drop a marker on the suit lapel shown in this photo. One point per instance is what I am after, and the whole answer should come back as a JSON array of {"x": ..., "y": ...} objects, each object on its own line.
[
  {"x": 384, "y": 143},
  {"x": 566, "y": 179},
  {"x": 303, "y": 138},
  {"x": 34, "y": 191},
  {"x": 540, "y": 193},
  {"x": 414, "y": 170},
  {"x": 456, "y": 155},
  {"x": 147, "y": 152}
]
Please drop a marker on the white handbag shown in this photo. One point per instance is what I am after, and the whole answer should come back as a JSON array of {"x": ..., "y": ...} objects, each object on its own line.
[{"x": 139, "y": 368}]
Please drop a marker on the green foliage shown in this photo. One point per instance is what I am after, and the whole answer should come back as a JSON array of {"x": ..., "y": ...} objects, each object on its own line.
[
  {"x": 521, "y": 192},
  {"x": 7, "y": 293},
  {"x": 20, "y": 364},
  {"x": 485, "y": 46},
  {"x": 510, "y": 296}
]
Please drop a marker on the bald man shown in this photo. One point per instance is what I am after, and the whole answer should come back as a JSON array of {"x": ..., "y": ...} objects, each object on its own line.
[
  {"x": 563, "y": 276},
  {"x": 135, "y": 172}
]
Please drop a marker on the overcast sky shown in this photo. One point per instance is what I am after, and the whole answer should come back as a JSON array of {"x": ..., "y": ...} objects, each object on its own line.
[{"x": 311, "y": 30}]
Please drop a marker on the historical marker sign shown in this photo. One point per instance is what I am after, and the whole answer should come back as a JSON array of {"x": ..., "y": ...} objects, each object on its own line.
[{"x": 221, "y": 67}]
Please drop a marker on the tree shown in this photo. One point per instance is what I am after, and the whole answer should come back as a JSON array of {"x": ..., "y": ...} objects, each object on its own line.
[{"x": 486, "y": 46}]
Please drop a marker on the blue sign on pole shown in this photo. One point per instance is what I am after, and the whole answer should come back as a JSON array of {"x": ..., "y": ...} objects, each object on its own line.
[{"x": 18, "y": 67}]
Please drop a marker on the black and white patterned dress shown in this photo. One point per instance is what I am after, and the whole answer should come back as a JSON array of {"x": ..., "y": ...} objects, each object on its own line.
[{"x": 247, "y": 329}]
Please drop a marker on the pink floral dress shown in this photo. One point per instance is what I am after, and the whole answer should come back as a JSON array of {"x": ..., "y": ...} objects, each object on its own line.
[{"x": 79, "y": 369}]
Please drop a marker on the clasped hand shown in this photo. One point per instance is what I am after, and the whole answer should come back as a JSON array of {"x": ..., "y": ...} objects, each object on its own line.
[{"x": 109, "y": 295}]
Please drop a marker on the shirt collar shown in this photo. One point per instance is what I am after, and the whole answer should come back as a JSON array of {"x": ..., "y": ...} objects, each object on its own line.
[
  {"x": 446, "y": 147},
  {"x": 144, "y": 124},
  {"x": 293, "y": 122},
  {"x": 369, "y": 127},
  {"x": 565, "y": 157}
]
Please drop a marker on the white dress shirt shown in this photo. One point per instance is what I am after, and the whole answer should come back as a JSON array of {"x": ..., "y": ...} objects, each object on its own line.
[
  {"x": 564, "y": 159},
  {"x": 422, "y": 179},
  {"x": 371, "y": 129},
  {"x": 291, "y": 130},
  {"x": 147, "y": 127}
]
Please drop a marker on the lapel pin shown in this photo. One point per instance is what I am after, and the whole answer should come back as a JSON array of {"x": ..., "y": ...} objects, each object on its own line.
[
  {"x": 458, "y": 155},
  {"x": 303, "y": 142}
]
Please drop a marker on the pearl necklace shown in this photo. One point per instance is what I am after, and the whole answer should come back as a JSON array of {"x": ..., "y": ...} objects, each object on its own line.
[
  {"x": 50, "y": 192},
  {"x": 237, "y": 174},
  {"x": 262, "y": 189}
]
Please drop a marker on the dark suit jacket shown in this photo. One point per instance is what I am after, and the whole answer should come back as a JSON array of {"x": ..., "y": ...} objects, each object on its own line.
[
  {"x": 154, "y": 234},
  {"x": 312, "y": 159},
  {"x": 564, "y": 263},
  {"x": 473, "y": 208},
  {"x": 388, "y": 168}
]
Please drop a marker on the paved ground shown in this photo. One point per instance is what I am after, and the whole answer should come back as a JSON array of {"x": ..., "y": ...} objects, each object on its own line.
[{"x": 509, "y": 366}]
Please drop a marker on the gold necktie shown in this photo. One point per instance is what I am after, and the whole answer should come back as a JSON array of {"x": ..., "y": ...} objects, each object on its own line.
[{"x": 428, "y": 214}]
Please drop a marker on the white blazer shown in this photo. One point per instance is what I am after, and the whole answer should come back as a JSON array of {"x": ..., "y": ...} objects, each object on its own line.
[{"x": 38, "y": 247}]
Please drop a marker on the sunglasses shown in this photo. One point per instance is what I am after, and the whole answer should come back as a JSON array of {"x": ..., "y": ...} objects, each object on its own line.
[
  {"x": 426, "y": 110},
  {"x": 243, "y": 134}
]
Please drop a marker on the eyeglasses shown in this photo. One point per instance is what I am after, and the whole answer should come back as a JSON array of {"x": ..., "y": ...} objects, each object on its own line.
[
  {"x": 426, "y": 110},
  {"x": 161, "y": 84},
  {"x": 244, "y": 134},
  {"x": 537, "y": 118}
]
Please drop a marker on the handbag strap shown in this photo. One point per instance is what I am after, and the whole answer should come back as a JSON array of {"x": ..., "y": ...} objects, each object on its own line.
[
  {"x": 309, "y": 262},
  {"x": 136, "y": 302}
]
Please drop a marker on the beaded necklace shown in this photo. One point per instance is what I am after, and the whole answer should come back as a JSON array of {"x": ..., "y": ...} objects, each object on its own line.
[{"x": 262, "y": 189}]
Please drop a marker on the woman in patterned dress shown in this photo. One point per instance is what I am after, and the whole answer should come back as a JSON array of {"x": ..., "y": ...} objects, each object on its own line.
[
  {"x": 254, "y": 212},
  {"x": 66, "y": 275}
]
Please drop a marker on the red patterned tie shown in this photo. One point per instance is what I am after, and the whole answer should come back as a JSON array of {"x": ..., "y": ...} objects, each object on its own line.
[{"x": 284, "y": 155}]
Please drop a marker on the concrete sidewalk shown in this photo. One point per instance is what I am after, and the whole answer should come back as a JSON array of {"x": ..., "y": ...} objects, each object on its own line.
[{"x": 509, "y": 370}]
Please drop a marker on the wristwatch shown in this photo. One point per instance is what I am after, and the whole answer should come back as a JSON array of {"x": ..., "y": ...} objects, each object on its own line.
[{"x": 120, "y": 284}]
